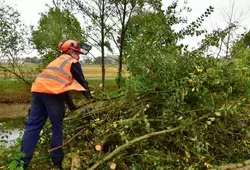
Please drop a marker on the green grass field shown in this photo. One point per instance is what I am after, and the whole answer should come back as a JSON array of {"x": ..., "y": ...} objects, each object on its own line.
[
  {"x": 16, "y": 91},
  {"x": 89, "y": 70}
]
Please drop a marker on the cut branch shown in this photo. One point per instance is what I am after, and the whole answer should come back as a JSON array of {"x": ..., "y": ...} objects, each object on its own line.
[
  {"x": 243, "y": 165},
  {"x": 138, "y": 139},
  {"x": 58, "y": 147},
  {"x": 126, "y": 145}
]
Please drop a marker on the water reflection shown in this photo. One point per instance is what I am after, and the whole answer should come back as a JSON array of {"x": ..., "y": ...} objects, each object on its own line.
[{"x": 8, "y": 137}]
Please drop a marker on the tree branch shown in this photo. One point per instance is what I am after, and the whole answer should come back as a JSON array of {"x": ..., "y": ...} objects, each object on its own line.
[
  {"x": 242, "y": 166},
  {"x": 70, "y": 140},
  {"x": 138, "y": 139},
  {"x": 124, "y": 146}
]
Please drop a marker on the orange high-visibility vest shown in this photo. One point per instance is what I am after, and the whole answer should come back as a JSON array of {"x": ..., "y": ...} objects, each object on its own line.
[{"x": 56, "y": 78}]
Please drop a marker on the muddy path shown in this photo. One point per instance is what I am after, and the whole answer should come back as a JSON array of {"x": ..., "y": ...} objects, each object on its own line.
[{"x": 13, "y": 111}]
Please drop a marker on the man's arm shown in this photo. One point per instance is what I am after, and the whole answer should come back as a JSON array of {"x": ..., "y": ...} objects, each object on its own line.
[{"x": 77, "y": 74}]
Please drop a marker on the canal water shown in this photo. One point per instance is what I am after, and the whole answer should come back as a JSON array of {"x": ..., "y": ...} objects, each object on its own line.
[{"x": 8, "y": 137}]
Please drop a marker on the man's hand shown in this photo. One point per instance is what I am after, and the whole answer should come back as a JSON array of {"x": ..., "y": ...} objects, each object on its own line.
[{"x": 89, "y": 95}]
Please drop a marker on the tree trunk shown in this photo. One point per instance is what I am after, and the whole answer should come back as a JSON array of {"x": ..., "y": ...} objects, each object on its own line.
[
  {"x": 102, "y": 44},
  {"x": 121, "y": 45}
]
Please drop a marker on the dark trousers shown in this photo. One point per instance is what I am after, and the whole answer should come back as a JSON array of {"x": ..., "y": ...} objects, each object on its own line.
[{"x": 44, "y": 106}]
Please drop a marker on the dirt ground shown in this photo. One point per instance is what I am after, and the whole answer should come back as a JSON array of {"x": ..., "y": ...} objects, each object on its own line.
[{"x": 13, "y": 111}]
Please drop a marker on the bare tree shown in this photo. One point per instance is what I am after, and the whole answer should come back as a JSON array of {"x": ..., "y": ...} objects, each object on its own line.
[
  {"x": 233, "y": 17},
  {"x": 13, "y": 41},
  {"x": 96, "y": 14}
]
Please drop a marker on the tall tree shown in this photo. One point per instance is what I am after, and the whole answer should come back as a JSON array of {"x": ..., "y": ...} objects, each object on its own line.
[
  {"x": 151, "y": 43},
  {"x": 96, "y": 14},
  {"x": 54, "y": 26},
  {"x": 124, "y": 10},
  {"x": 148, "y": 35},
  {"x": 229, "y": 17}
]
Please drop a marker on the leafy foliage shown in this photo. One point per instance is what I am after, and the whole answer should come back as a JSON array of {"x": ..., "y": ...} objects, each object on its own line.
[
  {"x": 148, "y": 40},
  {"x": 55, "y": 26},
  {"x": 247, "y": 39},
  {"x": 241, "y": 47},
  {"x": 206, "y": 94},
  {"x": 11, "y": 156}
]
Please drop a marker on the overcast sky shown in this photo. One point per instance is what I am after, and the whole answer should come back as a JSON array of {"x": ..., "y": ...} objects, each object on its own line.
[{"x": 30, "y": 10}]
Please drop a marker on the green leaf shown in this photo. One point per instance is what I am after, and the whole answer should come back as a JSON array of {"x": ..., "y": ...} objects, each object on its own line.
[
  {"x": 13, "y": 165},
  {"x": 211, "y": 119},
  {"x": 209, "y": 122},
  {"x": 217, "y": 114},
  {"x": 19, "y": 140}
]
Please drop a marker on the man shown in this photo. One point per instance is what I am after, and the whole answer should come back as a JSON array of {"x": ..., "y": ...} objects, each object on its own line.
[{"x": 49, "y": 94}]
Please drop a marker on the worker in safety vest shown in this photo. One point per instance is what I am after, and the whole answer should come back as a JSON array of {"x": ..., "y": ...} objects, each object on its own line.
[{"x": 49, "y": 94}]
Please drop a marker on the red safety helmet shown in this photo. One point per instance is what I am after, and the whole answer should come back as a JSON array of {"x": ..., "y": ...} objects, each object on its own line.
[{"x": 70, "y": 44}]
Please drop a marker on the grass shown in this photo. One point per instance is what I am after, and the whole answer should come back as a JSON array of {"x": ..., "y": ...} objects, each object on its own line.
[
  {"x": 27, "y": 70},
  {"x": 94, "y": 71},
  {"x": 14, "y": 91},
  {"x": 89, "y": 70}
]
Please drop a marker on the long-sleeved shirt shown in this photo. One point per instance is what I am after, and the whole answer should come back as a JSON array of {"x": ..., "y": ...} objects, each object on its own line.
[{"x": 77, "y": 74}]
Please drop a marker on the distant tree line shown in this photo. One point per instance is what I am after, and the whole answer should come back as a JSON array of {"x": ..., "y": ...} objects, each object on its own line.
[{"x": 34, "y": 60}]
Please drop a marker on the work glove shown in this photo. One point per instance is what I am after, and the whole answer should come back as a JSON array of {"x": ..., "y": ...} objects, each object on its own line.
[
  {"x": 92, "y": 97},
  {"x": 88, "y": 95}
]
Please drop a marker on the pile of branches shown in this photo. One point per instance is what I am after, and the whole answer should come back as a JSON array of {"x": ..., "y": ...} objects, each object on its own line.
[
  {"x": 183, "y": 112},
  {"x": 155, "y": 130}
]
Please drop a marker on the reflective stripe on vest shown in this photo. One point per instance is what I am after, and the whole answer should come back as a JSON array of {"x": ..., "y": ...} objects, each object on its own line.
[
  {"x": 60, "y": 69},
  {"x": 49, "y": 76}
]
